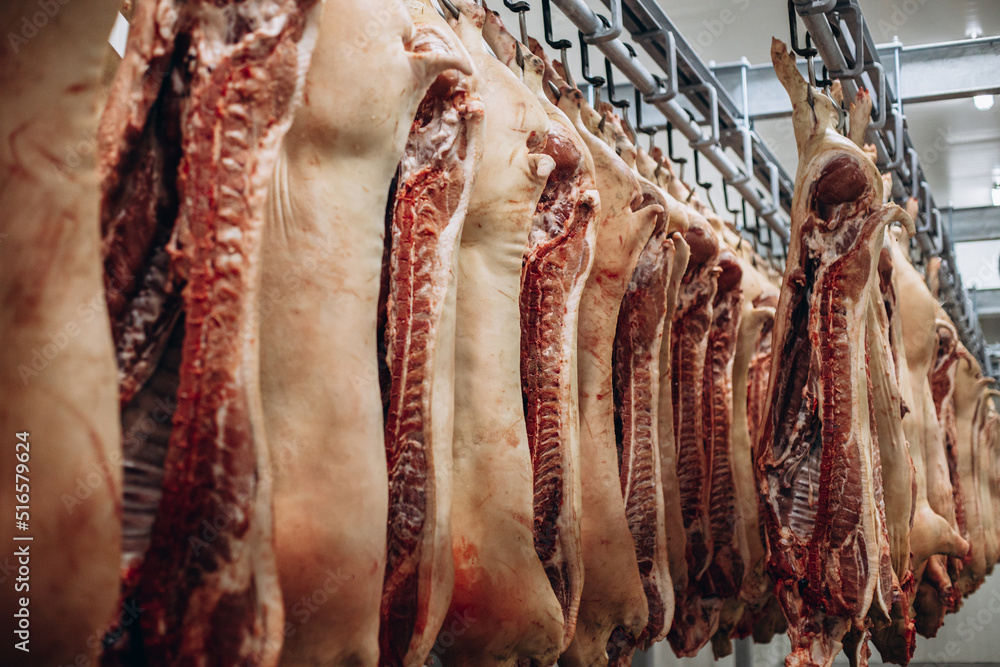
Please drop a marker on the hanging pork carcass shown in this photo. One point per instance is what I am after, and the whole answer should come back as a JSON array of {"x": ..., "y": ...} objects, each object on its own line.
[{"x": 818, "y": 459}]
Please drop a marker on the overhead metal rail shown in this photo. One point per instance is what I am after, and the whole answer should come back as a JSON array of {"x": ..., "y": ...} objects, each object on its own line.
[
  {"x": 841, "y": 39},
  {"x": 987, "y": 302},
  {"x": 685, "y": 77},
  {"x": 973, "y": 224},
  {"x": 928, "y": 73}
]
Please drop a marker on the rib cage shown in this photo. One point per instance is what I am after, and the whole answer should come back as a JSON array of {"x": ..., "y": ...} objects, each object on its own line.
[
  {"x": 636, "y": 388},
  {"x": 892, "y": 630},
  {"x": 556, "y": 264},
  {"x": 695, "y": 616},
  {"x": 724, "y": 576},
  {"x": 434, "y": 184}
]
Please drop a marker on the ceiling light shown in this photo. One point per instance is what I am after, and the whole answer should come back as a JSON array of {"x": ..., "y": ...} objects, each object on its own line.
[{"x": 983, "y": 102}]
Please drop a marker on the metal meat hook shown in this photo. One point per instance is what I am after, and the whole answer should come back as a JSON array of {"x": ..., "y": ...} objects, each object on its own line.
[
  {"x": 519, "y": 7},
  {"x": 676, "y": 159},
  {"x": 807, "y": 51},
  {"x": 648, "y": 130},
  {"x": 519, "y": 56},
  {"x": 556, "y": 93},
  {"x": 705, "y": 185},
  {"x": 561, "y": 44},
  {"x": 622, "y": 104},
  {"x": 855, "y": 65},
  {"x": 713, "y": 114},
  {"x": 594, "y": 81},
  {"x": 735, "y": 212}
]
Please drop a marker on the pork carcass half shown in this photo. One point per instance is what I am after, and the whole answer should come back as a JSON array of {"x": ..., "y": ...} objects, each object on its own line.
[
  {"x": 503, "y": 608},
  {"x": 987, "y": 473},
  {"x": 818, "y": 458},
  {"x": 969, "y": 400},
  {"x": 434, "y": 183},
  {"x": 983, "y": 472},
  {"x": 730, "y": 553},
  {"x": 189, "y": 140},
  {"x": 918, "y": 316},
  {"x": 730, "y": 558},
  {"x": 760, "y": 372},
  {"x": 636, "y": 376},
  {"x": 58, "y": 385},
  {"x": 322, "y": 268},
  {"x": 695, "y": 617},
  {"x": 613, "y": 594},
  {"x": 557, "y": 261},
  {"x": 892, "y": 629},
  {"x": 940, "y": 493},
  {"x": 894, "y": 636},
  {"x": 942, "y": 381},
  {"x": 763, "y": 617},
  {"x": 738, "y": 613},
  {"x": 930, "y": 533},
  {"x": 676, "y": 538}
]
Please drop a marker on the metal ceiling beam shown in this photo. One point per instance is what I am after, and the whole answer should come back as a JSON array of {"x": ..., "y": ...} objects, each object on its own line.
[
  {"x": 945, "y": 71},
  {"x": 974, "y": 224},
  {"x": 987, "y": 302},
  {"x": 949, "y": 70}
]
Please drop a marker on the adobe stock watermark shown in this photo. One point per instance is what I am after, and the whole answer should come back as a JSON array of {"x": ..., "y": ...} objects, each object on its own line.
[
  {"x": 967, "y": 629},
  {"x": 302, "y": 610},
  {"x": 983, "y": 273},
  {"x": 716, "y": 27},
  {"x": 453, "y": 628},
  {"x": 30, "y": 25},
  {"x": 40, "y": 357},
  {"x": 75, "y": 153},
  {"x": 901, "y": 13},
  {"x": 7, "y": 569},
  {"x": 372, "y": 30},
  {"x": 93, "y": 308},
  {"x": 943, "y": 138}
]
